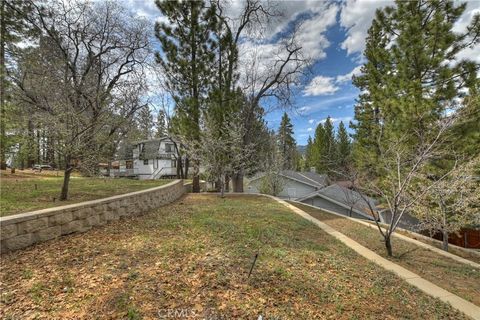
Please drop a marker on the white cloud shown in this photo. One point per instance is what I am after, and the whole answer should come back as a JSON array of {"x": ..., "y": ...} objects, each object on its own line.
[
  {"x": 320, "y": 85},
  {"x": 473, "y": 53},
  {"x": 356, "y": 16},
  {"x": 310, "y": 129},
  {"x": 311, "y": 121},
  {"x": 347, "y": 77}
]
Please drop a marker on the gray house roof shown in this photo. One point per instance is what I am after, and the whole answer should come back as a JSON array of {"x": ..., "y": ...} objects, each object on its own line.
[
  {"x": 309, "y": 178},
  {"x": 346, "y": 198},
  {"x": 149, "y": 151},
  {"x": 406, "y": 222}
]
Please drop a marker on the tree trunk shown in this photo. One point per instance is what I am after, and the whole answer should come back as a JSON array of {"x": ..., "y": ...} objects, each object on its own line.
[
  {"x": 388, "y": 245},
  {"x": 109, "y": 168},
  {"x": 196, "y": 183},
  {"x": 350, "y": 211},
  {"x": 3, "y": 164},
  {"x": 227, "y": 183},
  {"x": 66, "y": 181},
  {"x": 187, "y": 164},
  {"x": 218, "y": 184},
  {"x": 222, "y": 188},
  {"x": 237, "y": 181},
  {"x": 445, "y": 240},
  {"x": 196, "y": 177}
]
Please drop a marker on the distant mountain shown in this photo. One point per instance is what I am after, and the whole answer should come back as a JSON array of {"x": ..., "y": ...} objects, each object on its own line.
[{"x": 302, "y": 149}]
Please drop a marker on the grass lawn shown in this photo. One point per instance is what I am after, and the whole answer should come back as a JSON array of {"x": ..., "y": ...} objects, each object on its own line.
[
  {"x": 18, "y": 193},
  {"x": 193, "y": 257},
  {"x": 449, "y": 274}
]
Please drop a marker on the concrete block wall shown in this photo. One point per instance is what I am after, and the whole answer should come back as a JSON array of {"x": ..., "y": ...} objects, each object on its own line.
[{"x": 25, "y": 229}]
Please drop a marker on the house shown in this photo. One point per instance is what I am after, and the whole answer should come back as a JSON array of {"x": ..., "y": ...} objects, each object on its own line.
[
  {"x": 297, "y": 184},
  {"x": 341, "y": 200},
  {"x": 148, "y": 159},
  {"x": 407, "y": 221}
]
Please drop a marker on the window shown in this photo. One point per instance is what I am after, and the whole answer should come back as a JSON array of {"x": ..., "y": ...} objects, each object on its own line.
[
  {"x": 145, "y": 162},
  {"x": 129, "y": 164},
  {"x": 168, "y": 147}
]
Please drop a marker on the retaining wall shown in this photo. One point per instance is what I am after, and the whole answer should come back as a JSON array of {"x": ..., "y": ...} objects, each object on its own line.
[{"x": 22, "y": 230}]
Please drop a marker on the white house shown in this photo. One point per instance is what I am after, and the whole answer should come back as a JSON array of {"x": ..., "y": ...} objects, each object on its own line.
[
  {"x": 149, "y": 159},
  {"x": 297, "y": 184}
]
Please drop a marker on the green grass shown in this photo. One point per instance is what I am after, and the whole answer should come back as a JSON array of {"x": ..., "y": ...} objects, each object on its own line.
[
  {"x": 24, "y": 193},
  {"x": 193, "y": 258},
  {"x": 456, "y": 277}
]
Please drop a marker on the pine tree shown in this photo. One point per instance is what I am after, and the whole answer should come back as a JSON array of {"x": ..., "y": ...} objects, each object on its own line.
[
  {"x": 145, "y": 123},
  {"x": 286, "y": 143},
  {"x": 343, "y": 146},
  {"x": 187, "y": 57},
  {"x": 161, "y": 125},
  {"x": 14, "y": 27},
  {"x": 309, "y": 161},
  {"x": 319, "y": 149},
  {"x": 410, "y": 79},
  {"x": 329, "y": 156}
]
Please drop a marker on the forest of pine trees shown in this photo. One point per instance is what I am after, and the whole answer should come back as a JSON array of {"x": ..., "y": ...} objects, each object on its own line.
[{"x": 329, "y": 152}]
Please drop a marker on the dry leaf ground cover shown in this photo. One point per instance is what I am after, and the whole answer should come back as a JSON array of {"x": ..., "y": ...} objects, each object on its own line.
[
  {"x": 449, "y": 274},
  {"x": 22, "y": 192},
  {"x": 192, "y": 258}
]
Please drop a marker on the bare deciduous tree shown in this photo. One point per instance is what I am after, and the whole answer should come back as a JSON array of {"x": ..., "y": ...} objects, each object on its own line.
[
  {"x": 88, "y": 51},
  {"x": 452, "y": 203},
  {"x": 399, "y": 164}
]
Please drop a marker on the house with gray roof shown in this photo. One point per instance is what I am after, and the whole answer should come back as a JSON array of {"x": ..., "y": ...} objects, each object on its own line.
[
  {"x": 296, "y": 184},
  {"x": 342, "y": 200},
  {"x": 148, "y": 159}
]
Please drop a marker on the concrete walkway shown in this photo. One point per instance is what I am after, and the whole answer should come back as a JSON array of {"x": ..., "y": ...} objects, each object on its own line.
[
  {"x": 403, "y": 237},
  {"x": 414, "y": 279}
]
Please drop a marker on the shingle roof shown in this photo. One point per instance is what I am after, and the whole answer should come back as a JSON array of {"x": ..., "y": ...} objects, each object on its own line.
[
  {"x": 319, "y": 178},
  {"x": 150, "y": 149},
  {"x": 345, "y": 196},
  {"x": 310, "y": 178}
]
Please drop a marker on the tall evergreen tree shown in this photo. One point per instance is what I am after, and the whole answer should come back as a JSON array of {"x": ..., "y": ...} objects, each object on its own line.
[
  {"x": 330, "y": 154},
  {"x": 161, "y": 125},
  {"x": 145, "y": 123},
  {"x": 343, "y": 146},
  {"x": 286, "y": 142},
  {"x": 309, "y": 162},
  {"x": 412, "y": 84},
  {"x": 319, "y": 149},
  {"x": 15, "y": 26},
  {"x": 412, "y": 75},
  {"x": 187, "y": 57}
]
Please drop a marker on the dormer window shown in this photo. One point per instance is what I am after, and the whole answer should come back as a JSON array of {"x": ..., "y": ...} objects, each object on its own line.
[{"x": 168, "y": 147}]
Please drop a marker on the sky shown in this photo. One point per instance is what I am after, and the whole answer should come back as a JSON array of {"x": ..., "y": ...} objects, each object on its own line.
[{"x": 333, "y": 34}]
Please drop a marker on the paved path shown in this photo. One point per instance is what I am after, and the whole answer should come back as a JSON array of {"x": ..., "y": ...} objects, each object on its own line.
[{"x": 414, "y": 279}]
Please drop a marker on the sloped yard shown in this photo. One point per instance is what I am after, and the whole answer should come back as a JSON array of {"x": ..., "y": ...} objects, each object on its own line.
[
  {"x": 449, "y": 274},
  {"x": 193, "y": 258}
]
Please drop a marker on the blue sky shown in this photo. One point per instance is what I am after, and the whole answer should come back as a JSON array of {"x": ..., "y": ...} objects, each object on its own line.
[
  {"x": 333, "y": 34},
  {"x": 313, "y": 109}
]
